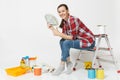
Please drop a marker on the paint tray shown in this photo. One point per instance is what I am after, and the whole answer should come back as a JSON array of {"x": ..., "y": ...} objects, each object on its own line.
[{"x": 15, "y": 71}]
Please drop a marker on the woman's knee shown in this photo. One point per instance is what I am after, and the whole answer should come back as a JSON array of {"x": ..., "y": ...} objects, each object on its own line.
[{"x": 67, "y": 42}]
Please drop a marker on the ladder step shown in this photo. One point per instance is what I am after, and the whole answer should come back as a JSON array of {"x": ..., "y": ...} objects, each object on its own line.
[
  {"x": 102, "y": 48},
  {"x": 98, "y": 35}
]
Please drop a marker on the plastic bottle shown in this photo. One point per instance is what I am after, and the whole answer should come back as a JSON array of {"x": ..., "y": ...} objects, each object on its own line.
[
  {"x": 27, "y": 63},
  {"x": 32, "y": 62},
  {"x": 22, "y": 63}
]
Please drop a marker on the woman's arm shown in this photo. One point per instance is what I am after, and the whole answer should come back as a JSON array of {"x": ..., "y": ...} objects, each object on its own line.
[
  {"x": 62, "y": 35},
  {"x": 57, "y": 33}
]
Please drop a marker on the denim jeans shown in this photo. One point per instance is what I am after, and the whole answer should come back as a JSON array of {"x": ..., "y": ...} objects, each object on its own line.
[{"x": 67, "y": 44}]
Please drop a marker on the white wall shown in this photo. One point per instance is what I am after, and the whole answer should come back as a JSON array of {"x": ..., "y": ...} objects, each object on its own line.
[
  {"x": 23, "y": 29},
  {"x": 116, "y": 29}
]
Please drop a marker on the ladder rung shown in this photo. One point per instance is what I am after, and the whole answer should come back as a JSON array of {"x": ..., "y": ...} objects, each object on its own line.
[
  {"x": 98, "y": 35},
  {"x": 102, "y": 48}
]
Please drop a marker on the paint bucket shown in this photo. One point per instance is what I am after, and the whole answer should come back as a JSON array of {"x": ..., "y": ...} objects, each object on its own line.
[
  {"x": 100, "y": 73},
  {"x": 37, "y": 71},
  {"x": 102, "y": 29},
  {"x": 87, "y": 65},
  {"x": 91, "y": 73}
]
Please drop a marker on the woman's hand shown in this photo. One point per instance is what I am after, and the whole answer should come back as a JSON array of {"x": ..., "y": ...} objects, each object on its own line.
[
  {"x": 55, "y": 31},
  {"x": 50, "y": 26}
]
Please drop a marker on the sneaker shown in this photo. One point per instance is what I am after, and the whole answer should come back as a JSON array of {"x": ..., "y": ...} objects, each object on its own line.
[
  {"x": 69, "y": 67},
  {"x": 59, "y": 70}
]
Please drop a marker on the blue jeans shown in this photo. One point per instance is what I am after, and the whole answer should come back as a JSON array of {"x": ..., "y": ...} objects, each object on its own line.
[{"x": 67, "y": 44}]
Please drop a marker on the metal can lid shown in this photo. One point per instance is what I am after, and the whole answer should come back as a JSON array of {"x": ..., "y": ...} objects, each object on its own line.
[
  {"x": 100, "y": 68},
  {"x": 91, "y": 68}
]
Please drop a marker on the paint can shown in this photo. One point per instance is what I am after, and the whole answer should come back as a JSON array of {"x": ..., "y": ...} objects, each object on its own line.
[
  {"x": 91, "y": 73},
  {"x": 100, "y": 73},
  {"x": 102, "y": 29},
  {"x": 37, "y": 71}
]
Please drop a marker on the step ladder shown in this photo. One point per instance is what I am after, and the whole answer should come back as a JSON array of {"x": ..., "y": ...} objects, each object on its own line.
[{"x": 97, "y": 48}]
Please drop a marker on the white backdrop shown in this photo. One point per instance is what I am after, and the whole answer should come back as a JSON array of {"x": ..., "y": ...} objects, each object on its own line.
[{"x": 23, "y": 29}]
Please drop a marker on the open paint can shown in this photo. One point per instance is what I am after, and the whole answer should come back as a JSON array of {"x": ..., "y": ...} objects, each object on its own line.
[
  {"x": 102, "y": 29},
  {"x": 37, "y": 71}
]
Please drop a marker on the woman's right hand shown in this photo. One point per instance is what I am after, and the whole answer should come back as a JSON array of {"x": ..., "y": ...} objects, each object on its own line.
[{"x": 50, "y": 26}]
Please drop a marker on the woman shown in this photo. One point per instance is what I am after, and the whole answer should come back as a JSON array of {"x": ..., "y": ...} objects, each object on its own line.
[{"x": 74, "y": 35}]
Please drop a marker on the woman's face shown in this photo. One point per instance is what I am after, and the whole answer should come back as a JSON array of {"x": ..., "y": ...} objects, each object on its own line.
[{"x": 63, "y": 12}]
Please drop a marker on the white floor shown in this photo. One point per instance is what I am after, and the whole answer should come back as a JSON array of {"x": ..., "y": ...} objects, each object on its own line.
[{"x": 80, "y": 74}]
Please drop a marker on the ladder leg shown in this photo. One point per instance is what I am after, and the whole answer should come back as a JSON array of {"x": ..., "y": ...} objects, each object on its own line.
[
  {"x": 76, "y": 61},
  {"x": 110, "y": 49},
  {"x": 96, "y": 51}
]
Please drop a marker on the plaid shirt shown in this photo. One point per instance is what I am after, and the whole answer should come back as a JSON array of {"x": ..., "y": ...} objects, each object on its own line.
[{"x": 78, "y": 30}]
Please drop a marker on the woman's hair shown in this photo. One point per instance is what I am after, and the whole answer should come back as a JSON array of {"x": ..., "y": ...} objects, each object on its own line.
[
  {"x": 66, "y": 7},
  {"x": 63, "y": 5}
]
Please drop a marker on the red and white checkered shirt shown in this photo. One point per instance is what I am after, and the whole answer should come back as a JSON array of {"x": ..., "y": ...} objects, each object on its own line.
[{"x": 78, "y": 30}]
